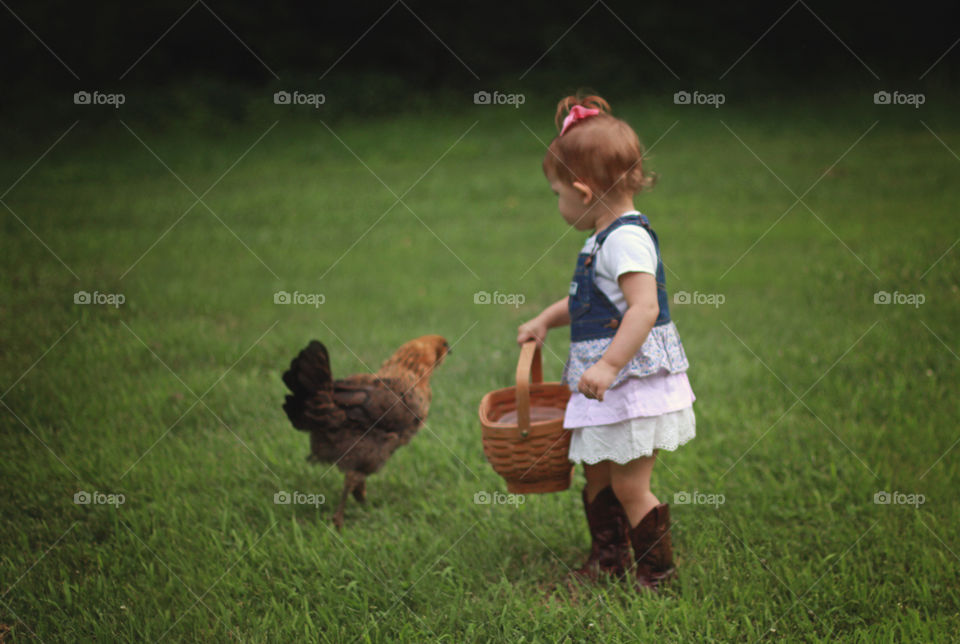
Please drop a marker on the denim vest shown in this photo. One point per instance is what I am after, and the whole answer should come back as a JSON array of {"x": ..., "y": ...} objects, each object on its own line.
[{"x": 592, "y": 314}]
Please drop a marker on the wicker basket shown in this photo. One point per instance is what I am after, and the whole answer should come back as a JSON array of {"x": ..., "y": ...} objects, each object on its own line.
[{"x": 523, "y": 434}]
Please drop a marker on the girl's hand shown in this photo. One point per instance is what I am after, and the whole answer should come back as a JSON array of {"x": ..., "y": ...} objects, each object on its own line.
[
  {"x": 535, "y": 329},
  {"x": 597, "y": 379}
]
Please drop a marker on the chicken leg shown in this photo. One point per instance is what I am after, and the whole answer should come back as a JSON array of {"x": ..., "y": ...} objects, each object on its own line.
[
  {"x": 360, "y": 491},
  {"x": 353, "y": 482}
]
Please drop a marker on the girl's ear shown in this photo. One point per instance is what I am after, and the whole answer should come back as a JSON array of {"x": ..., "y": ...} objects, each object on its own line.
[{"x": 586, "y": 192}]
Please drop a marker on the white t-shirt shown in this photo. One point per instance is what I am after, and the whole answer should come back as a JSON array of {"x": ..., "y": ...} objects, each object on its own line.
[{"x": 627, "y": 249}]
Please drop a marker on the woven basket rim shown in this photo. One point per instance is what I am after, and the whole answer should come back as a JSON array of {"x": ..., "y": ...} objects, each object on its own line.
[{"x": 493, "y": 424}]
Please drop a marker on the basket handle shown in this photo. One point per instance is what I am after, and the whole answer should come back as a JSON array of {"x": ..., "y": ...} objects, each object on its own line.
[{"x": 530, "y": 366}]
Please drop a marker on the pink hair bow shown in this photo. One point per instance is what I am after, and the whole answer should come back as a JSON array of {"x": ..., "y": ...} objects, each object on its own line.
[{"x": 577, "y": 113}]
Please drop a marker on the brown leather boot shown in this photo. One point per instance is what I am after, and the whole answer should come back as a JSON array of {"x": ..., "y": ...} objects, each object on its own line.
[
  {"x": 653, "y": 549},
  {"x": 610, "y": 547}
]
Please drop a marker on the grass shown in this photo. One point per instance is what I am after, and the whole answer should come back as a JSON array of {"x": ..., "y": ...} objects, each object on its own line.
[{"x": 811, "y": 397}]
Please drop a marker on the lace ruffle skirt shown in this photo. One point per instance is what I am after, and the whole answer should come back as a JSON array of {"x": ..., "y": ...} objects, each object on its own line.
[{"x": 631, "y": 439}]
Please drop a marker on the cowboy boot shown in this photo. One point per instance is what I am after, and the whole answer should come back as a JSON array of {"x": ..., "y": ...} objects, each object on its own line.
[
  {"x": 653, "y": 549},
  {"x": 610, "y": 546}
]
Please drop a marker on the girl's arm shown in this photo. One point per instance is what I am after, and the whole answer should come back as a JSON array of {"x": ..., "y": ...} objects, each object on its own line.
[
  {"x": 640, "y": 292},
  {"x": 557, "y": 314}
]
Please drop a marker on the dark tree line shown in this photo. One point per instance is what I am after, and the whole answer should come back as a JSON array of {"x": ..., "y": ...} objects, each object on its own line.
[{"x": 451, "y": 44}]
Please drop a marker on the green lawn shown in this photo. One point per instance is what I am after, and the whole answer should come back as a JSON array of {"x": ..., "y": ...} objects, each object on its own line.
[{"x": 811, "y": 397}]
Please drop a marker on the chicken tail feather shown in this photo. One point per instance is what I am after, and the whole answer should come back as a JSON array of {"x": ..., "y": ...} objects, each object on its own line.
[{"x": 310, "y": 382}]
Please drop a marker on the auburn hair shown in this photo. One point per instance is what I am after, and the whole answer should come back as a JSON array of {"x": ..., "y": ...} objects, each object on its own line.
[{"x": 601, "y": 151}]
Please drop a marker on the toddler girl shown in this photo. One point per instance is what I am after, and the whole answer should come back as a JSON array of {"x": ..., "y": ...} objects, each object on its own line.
[{"x": 627, "y": 367}]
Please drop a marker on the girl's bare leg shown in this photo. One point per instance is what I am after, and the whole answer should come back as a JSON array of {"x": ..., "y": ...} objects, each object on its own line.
[
  {"x": 631, "y": 485},
  {"x": 598, "y": 477}
]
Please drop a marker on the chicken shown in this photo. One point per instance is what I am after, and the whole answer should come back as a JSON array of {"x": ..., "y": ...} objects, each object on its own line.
[{"x": 357, "y": 422}]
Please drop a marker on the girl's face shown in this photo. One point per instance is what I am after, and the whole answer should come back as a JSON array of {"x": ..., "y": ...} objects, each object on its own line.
[{"x": 574, "y": 203}]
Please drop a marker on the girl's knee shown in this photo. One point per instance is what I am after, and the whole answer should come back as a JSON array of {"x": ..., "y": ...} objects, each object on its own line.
[
  {"x": 630, "y": 489},
  {"x": 598, "y": 478},
  {"x": 597, "y": 472},
  {"x": 632, "y": 478}
]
